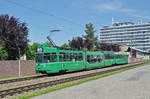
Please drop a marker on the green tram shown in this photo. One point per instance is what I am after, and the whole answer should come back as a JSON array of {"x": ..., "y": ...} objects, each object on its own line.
[{"x": 54, "y": 60}]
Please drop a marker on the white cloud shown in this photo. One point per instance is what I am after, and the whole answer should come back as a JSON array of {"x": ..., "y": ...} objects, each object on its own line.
[
  {"x": 110, "y": 6},
  {"x": 117, "y": 6},
  {"x": 113, "y": 5}
]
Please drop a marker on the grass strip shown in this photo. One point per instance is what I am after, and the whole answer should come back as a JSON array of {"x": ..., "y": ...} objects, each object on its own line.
[{"x": 37, "y": 93}]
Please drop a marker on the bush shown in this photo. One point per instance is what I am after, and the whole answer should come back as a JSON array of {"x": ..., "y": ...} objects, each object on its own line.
[{"x": 3, "y": 52}]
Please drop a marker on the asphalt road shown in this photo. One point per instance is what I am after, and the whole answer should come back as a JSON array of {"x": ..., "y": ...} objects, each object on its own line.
[{"x": 132, "y": 84}]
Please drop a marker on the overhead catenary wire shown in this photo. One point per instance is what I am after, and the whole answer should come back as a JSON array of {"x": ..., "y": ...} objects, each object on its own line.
[{"x": 43, "y": 12}]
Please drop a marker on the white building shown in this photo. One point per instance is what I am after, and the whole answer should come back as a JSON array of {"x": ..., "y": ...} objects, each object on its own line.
[{"x": 128, "y": 33}]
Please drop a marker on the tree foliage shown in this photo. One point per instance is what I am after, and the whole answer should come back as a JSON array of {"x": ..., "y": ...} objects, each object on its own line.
[
  {"x": 79, "y": 43},
  {"x": 65, "y": 45},
  {"x": 31, "y": 51},
  {"x": 110, "y": 47},
  {"x": 47, "y": 43},
  {"x": 13, "y": 34},
  {"x": 3, "y": 52},
  {"x": 90, "y": 35}
]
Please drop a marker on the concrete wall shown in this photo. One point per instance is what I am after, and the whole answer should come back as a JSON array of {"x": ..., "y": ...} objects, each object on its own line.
[{"x": 11, "y": 68}]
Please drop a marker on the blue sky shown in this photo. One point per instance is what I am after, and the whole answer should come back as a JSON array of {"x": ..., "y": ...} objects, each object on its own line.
[{"x": 70, "y": 16}]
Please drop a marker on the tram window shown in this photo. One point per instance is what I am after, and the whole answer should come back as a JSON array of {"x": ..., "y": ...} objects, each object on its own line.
[
  {"x": 68, "y": 57},
  {"x": 124, "y": 56},
  {"x": 75, "y": 56},
  {"x": 60, "y": 57},
  {"x": 54, "y": 57},
  {"x": 65, "y": 57},
  {"x": 99, "y": 58},
  {"x": 106, "y": 56},
  {"x": 46, "y": 57},
  {"x": 91, "y": 59},
  {"x": 50, "y": 57},
  {"x": 71, "y": 56},
  {"x": 80, "y": 56},
  {"x": 88, "y": 58},
  {"x": 112, "y": 56},
  {"x": 94, "y": 59},
  {"x": 109, "y": 56},
  {"x": 120, "y": 56},
  {"x": 39, "y": 58}
]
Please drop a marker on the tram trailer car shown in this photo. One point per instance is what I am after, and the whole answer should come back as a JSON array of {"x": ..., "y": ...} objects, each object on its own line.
[
  {"x": 121, "y": 58},
  {"x": 109, "y": 58},
  {"x": 54, "y": 60}
]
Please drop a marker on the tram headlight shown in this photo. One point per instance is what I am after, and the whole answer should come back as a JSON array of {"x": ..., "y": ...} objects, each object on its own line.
[{"x": 39, "y": 49}]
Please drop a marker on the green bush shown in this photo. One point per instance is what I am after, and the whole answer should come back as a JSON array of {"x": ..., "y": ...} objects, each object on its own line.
[{"x": 3, "y": 52}]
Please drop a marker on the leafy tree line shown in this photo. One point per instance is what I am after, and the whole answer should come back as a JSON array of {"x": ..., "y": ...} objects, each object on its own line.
[
  {"x": 88, "y": 41},
  {"x": 14, "y": 40},
  {"x": 91, "y": 42}
]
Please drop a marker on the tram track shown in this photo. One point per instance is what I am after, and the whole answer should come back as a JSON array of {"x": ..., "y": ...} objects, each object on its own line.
[
  {"x": 12, "y": 91},
  {"x": 30, "y": 78}
]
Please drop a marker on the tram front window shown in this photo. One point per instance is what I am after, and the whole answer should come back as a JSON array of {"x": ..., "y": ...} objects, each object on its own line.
[{"x": 39, "y": 58}]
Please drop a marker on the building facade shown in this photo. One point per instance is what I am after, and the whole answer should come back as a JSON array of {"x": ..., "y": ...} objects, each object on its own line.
[{"x": 127, "y": 33}]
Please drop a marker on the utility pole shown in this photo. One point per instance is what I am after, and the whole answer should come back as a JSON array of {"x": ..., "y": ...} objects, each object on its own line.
[
  {"x": 19, "y": 63},
  {"x": 131, "y": 47},
  {"x": 19, "y": 67}
]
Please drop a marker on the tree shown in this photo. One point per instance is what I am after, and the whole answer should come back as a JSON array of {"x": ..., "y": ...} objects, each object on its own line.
[
  {"x": 3, "y": 52},
  {"x": 90, "y": 35},
  {"x": 110, "y": 47},
  {"x": 31, "y": 51},
  {"x": 80, "y": 43},
  {"x": 13, "y": 34},
  {"x": 48, "y": 43},
  {"x": 65, "y": 45}
]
